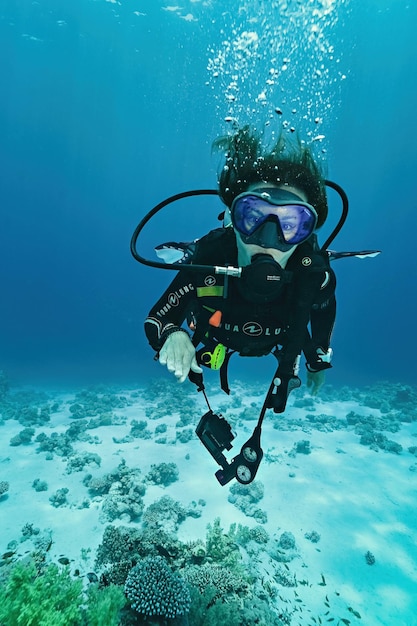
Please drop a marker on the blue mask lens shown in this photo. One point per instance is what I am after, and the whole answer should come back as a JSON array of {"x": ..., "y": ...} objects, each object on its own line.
[{"x": 296, "y": 221}]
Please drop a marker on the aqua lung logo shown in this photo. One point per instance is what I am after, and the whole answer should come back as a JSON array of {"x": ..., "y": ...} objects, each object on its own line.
[
  {"x": 174, "y": 298},
  {"x": 306, "y": 261},
  {"x": 209, "y": 281},
  {"x": 253, "y": 329}
]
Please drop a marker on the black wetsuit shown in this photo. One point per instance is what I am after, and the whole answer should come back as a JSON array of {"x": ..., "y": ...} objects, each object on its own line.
[{"x": 251, "y": 329}]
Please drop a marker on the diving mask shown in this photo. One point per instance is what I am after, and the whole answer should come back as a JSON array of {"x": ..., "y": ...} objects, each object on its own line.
[{"x": 253, "y": 211}]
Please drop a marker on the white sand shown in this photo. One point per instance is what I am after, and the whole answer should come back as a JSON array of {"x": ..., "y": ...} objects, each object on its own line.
[{"x": 355, "y": 498}]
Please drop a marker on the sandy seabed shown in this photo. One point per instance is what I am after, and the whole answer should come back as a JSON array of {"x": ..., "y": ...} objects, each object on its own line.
[{"x": 359, "y": 500}]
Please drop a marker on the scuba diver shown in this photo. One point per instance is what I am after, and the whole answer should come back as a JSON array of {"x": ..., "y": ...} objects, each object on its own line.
[{"x": 259, "y": 284}]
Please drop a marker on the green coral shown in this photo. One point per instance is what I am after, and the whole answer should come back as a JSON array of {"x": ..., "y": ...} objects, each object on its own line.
[
  {"x": 205, "y": 611},
  {"x": 49, "y": 599},
  {"x": 104, "y": 605},
  {"x": 220, "y": 546}
]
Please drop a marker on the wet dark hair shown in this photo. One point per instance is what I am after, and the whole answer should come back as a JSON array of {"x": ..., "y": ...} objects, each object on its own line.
[{"x": 288, "y": 162}]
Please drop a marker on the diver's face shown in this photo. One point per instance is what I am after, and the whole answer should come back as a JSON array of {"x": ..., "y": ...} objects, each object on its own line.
[{"x": 290, "y": 221}]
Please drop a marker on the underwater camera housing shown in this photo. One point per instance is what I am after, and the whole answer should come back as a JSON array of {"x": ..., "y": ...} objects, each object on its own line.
[{"x": 216, "y": 434}]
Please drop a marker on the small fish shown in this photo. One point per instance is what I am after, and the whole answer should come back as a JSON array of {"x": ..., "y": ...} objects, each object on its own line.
[
  {"x": 323, "y": 581},
  {"x": 92, "y": 577},
  {"x": 163, "y": 551},
  {"x": 63, "y": 560},
  {"x": 49, "y": 546},
  {"x": 8, "y": 555}
]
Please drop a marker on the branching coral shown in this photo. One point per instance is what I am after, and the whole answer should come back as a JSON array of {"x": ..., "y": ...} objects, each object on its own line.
[{"x": 223, "y": 579}]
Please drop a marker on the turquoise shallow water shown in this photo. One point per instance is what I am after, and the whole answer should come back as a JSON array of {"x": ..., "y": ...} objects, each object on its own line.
[{"x": 108, "y": 107}]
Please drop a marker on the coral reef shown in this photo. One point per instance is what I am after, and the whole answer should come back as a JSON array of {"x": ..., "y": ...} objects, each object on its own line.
[
  {"x": 138, "y": 430},
  {"x": 246, "y": 498},
  {"x": 165, "y": 513},
  {"x": 163, "y": 474},
  {"x": 312, "y": 536},
  {"x": 222, "y": 547},
  {"x": 50, "y": 599},
  {"x": 300, "y": 447},
  {"x": 185, "y": 435},
  {"x": 153, "y": 589},
  {"x": 123, "y": 490},
  {"x": 377, "y": 441},
  {"x": 224, "y": 580},
  {"x": 59, "y": 498},
  {"x": 58, "y": 443},
  {"x": 46, "y": 595},
  {"x": 96, "y": 402},
  {"x": 78, "y": 461},
  {"x": 24, "y": 437},
  {"x": 4, "y": 487},
  {"x": 370, "y": 558}
]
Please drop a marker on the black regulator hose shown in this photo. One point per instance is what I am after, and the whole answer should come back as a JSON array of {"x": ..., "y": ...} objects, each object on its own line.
[
  {"x": 345, "y": 210},
  {"x": 154, "y": 211}
]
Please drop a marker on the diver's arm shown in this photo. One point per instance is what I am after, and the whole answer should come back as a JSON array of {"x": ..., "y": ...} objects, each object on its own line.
[
  {"x": 286, "y": 378},
  {"x": 306, "y": 289},
  {"x": 170, "y": 311},
  {"x": 163, "y": 329},
  {"x": 323, "y": 314}
]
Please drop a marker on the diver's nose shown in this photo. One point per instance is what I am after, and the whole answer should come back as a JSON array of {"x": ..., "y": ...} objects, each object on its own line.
[{"x": 270, "y": 235}]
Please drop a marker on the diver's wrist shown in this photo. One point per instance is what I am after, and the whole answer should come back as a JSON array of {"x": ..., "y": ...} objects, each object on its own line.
[
  {"x": 169, "y": 331},
  {"x": 322, "y": 361}
]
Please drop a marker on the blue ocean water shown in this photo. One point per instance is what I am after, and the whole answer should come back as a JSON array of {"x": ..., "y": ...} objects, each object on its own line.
[{"x": 107, "y": 107}]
